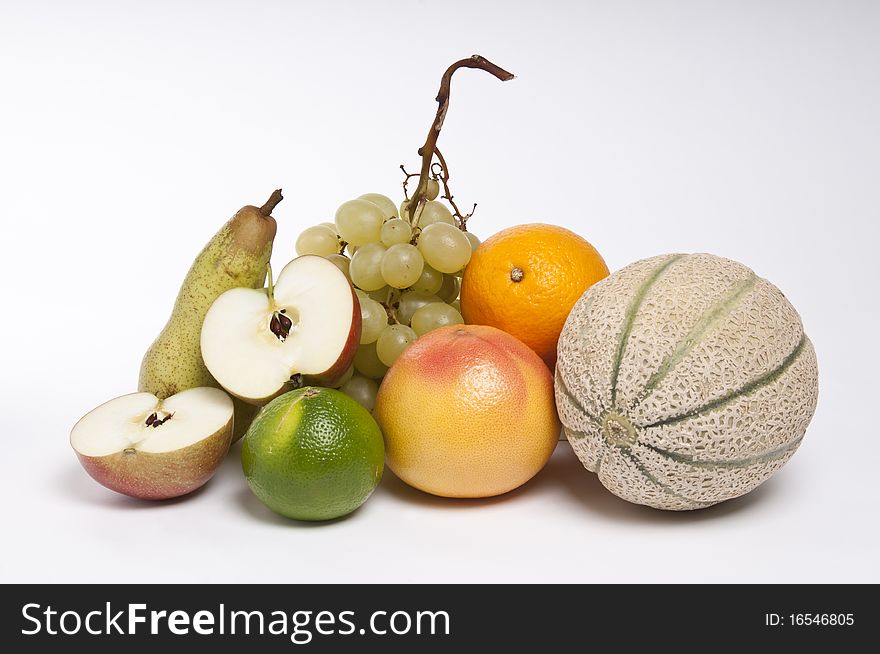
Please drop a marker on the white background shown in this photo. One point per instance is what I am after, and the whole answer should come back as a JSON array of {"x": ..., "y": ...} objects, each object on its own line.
[{"x": 130, "y": 131}]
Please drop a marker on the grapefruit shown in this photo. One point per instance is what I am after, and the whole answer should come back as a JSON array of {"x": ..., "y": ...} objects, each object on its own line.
[{"x": 467, "y": 411}]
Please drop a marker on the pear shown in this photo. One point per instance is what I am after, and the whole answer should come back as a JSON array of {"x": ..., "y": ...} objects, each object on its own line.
[{"x": 237, "y": 256}]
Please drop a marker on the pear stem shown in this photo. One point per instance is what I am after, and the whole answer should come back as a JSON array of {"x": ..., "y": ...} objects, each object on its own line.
[
  {"x": 271, "y": 289},
  {"x": 271, "y": 203},
  {"x": 426, "y": 152}
]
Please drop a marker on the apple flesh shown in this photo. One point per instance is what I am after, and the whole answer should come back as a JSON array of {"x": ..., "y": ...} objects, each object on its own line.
[
  {"x": 303, "y": 330},
  {"x": 153, "y": 449}
]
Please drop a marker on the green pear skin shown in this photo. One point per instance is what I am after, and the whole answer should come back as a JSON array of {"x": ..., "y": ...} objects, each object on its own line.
[{"x": 237, "y": 256}]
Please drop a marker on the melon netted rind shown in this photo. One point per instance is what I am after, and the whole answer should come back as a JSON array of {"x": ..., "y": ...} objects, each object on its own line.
[{"x": 684, "y": 381}]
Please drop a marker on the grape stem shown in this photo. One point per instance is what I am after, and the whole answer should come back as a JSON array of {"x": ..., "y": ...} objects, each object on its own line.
[
  {"x": 406, "y": 177},
  {"x": 426, "y": 152},
  {"x": 388, "y": 305},
  {"x": 443, "y": 175}
]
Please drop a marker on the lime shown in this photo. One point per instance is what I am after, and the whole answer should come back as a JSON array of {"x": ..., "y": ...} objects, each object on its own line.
[{"x": 313, "y": 454}]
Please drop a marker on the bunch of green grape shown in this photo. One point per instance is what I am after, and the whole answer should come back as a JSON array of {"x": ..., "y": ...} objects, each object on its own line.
[{"x": 406, "y": 273}]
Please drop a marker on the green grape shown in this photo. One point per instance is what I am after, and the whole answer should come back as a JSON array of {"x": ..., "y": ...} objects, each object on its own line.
[
  {"x": 404, "y": 210},
  {"x": 346, "y": 377},
  {"x": 475, "y": 242},
  {"x": 330, "y": 225},
  {"x": 381, "y": 295},
  {"x": 429, "y": 213},
  {"x": 394, "y": 340},
  {"x": 456, "y": 305},
  {"x": 351, "y": 249},
  {"x": 359, "y": 221},
  {"x": 410, "y": 303},
  {"x": 402, "y": 265},
  {"x": 432, "y": 190},
  {"x": 395, "y": 231},
  {"x": 362, "y": 390},
  {"x": 374, "y": 319},
  {"x": 340, "y": 261},
  {"x": 367, "y": 362},
  {"x": 449, "y": 291},
  {"x": 361, "y": 294},
  {"x": 428, "y": 283},
  {"x": 318, "y": 240},
  {"x": 385, "y": 203},
  {"x": 435, "y": 212},
  {"x": 445, "y": 247},
  {"x": 366, "y": 267},
  {"x": 435, "y": 315}
]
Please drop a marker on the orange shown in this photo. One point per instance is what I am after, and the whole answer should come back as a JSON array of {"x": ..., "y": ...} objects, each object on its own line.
[
  {"x": 467, "y": 411},
  {"x": 525, "y": 281}
]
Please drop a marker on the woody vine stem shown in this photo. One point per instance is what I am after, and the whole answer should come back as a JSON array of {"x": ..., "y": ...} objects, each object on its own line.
[{"x": 428, "y": 151}]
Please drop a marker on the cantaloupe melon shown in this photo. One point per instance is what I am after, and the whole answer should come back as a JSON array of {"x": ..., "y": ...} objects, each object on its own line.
[{"x": 684, "y": 381}]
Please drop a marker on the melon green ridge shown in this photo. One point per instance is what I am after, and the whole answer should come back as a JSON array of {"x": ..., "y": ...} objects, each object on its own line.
[
  {"x": 632, "y": 457},
  {"x": 560, "y": 383},
  {"x": 630, "y": 317},
  {"x": 747, "y": 389},
  {"x": 711, "y": 318},
  {"x": 733, "y": 463},
  {"x": 601, "y": 460},
  {"x": 589, "y": 375},
  {"x": 664, "y": 487}
]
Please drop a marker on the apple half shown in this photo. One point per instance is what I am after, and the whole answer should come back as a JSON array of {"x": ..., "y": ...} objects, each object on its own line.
[
  {"x": 155, "y": 449},
  {"x": 302, "y": 330}
]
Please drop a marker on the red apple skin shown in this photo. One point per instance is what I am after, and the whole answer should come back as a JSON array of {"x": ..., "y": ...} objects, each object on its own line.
[
  {"x": 335, "y": 373},
  {"x": 151, "y": 476}
]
